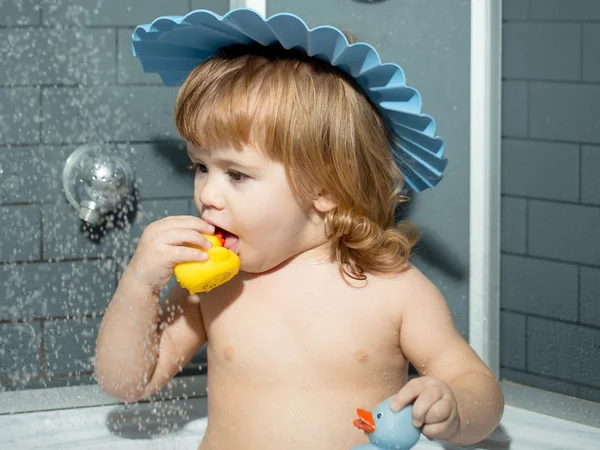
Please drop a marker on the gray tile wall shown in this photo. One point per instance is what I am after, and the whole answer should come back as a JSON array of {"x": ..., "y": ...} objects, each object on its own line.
[
  {"x": 550, "y": 290},
  {"x": 69, "y": 78}
]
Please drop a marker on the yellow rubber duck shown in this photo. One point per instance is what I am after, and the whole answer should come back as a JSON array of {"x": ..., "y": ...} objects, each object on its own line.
[{"x": 202, "y": 276}]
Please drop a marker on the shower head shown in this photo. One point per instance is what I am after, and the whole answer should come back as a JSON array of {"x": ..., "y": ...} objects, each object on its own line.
[{"x": 97, "y": 180}]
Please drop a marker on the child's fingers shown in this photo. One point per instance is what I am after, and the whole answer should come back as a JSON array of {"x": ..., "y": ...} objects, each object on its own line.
[
  {"x": 441, "y": 428},
  {"x": 435, "y": 431},
  {"x": 423, "y": 405},
  {"x": 438, "y": 412},
  {"x": 191, "y": 222},
  {"x": 407, "y": 394},
  {"x": 185, "y": 254},
  {"x": 181, "y": 236}
]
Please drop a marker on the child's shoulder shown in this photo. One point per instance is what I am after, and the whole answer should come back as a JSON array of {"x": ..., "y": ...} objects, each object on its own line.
[
  {"x": 406, "y": 288},
  {"x": 408, "y": 279}
]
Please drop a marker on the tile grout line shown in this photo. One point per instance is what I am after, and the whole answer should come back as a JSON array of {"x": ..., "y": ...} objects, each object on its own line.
[
  {"x": 71, "y": 144},
  {"x": 42, "y": 353},
  {"x": 527, "y": 227},
  {"x": 549, "y": 378},
  {"x": 47, "y": 377},
  {"x": 528, "y": 109},
  {"x": 559, "y": 81},
  {"x": 548, "y": 141},
  {"x": 116, "y": 56},
  {"x": 86, "y": 315},
  {"x": 578, "y": 294},
  {"x": 581, "y": 173},
  {"x": 551, "y": 200},
  {"x": 551, "y": 260},
  {"x": 40, "y": 209},
  {"x": 581, "y": 50},
  {"x": 552, "y": 319},
  {"x": 41, "y": 117},
  {"x": 526, "y": 349}
]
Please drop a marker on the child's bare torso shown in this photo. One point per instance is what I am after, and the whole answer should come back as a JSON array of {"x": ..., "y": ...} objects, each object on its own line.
[{"x": 293, "y": 353}]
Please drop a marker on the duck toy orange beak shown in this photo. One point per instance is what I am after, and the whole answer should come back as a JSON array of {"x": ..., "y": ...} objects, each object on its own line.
[
  {"x": 387, "y": 429},
  {"x": 365, "y": 421}
]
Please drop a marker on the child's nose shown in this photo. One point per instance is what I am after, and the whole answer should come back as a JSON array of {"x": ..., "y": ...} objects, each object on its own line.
[{"x": 210, "y": 195}]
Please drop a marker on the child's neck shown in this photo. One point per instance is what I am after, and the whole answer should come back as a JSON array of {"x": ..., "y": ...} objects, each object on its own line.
[{"x": 311, "y": 257}]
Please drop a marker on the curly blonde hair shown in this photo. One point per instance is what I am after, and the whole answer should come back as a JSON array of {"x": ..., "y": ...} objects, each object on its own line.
[{"x": 315, "y": 120}]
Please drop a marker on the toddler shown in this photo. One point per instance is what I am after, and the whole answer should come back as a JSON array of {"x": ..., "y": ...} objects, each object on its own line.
[{"x": 293, "y": 165}]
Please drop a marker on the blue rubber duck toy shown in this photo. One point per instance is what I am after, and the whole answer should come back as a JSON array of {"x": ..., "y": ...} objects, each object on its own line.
[{"x": 387, "y": 429}]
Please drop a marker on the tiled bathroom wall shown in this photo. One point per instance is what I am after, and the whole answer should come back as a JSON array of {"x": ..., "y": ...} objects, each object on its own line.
[
  {"x": 551, "y": 196},
  {"x": 69, "y": 78}
]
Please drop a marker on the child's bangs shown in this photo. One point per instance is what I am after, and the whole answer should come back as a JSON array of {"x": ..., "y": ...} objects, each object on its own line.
[{"x": 229, "y": 111}]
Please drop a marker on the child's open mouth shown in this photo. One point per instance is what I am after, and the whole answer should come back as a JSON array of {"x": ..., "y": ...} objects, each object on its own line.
[{"x": 231, "y": 240}]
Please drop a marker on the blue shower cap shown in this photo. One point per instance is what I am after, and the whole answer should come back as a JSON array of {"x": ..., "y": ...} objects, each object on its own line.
[{"x": 173, "y": 46}]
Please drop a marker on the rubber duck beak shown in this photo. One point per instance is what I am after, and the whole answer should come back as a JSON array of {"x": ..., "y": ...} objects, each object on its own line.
[
  {"x": 365, "y": 421},
  {"x": 219, "y": 236}
]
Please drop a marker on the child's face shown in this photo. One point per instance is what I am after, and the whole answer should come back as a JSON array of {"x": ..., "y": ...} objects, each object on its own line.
[{"x": 248, "y": 195}]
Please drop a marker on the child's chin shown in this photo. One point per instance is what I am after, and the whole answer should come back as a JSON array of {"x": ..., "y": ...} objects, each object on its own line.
[
  {"x": 252, "y": 267},
  {"x": 261, "y": 265}
]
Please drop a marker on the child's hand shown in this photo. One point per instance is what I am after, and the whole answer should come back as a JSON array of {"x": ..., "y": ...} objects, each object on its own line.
[
  {"x": 161, "y": 247},
  {"x": 435, "y": 408}
]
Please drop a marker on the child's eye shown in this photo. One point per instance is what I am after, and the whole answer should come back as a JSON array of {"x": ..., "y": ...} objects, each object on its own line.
[
  {"x": 198, "y": 167},
  {"x": 236, "y": 177}
]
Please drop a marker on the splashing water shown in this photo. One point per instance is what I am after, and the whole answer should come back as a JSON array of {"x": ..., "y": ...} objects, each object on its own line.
[{"x": 69, "y": 78}]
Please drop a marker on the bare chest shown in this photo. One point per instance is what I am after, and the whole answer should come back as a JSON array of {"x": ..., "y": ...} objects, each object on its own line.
[{"x": 314, "y": 330}]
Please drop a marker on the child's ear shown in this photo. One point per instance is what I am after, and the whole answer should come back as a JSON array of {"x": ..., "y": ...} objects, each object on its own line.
[{"x": 324, "y": 202}]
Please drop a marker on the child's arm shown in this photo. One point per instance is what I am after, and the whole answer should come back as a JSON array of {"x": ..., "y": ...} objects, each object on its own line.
[
  {"x": 457, "y": 398},
  {"x": 139, "y": 346}
]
